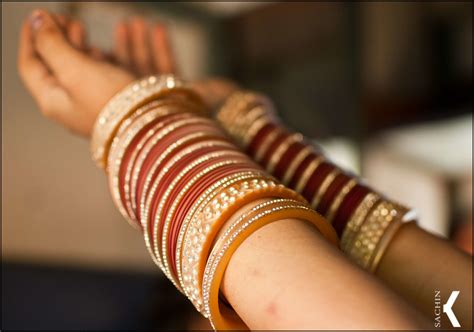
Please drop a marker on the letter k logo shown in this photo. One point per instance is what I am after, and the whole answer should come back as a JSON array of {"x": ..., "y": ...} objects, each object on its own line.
[{"x": 448, "y": 309}]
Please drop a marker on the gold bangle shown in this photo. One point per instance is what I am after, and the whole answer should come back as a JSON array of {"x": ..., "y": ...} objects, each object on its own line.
[
  {"x": 309, "y": 170},
  {"x": 197, "y": 208},
  {"x": 290, "y": 171},
  {"x": 281, "y": 149},
  {"x": 339, "y": 198},
  {"x": 268, "y": 140},
  {"x": 208, "y": 221},
  {"x": 365, "y": 243},
  {"x": 134, "y": 96},
  {"x": 235, "y": 157},
  {"x": 230, "y": 240},
  {"x": 357, "y": 218},
  {"x": 324, "y": 187}
]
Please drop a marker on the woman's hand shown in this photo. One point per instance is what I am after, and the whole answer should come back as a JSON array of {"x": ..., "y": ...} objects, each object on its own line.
[
  {"x": 69, "y": 85},
  {"x": 147, "y": 49}
]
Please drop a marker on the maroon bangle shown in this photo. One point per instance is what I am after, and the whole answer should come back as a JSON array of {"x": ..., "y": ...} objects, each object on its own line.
[
  {"x": 200, "y": 187},
  {"x": 348, "y": 206},
  {"x": 157, "y": 150},
  {"x": 258, "y": 139},
  {"x": 316, "y": 179},
  {"x": 285, "y": 161},
  {"x": 180, "y": 185},
  {"x": 331, "y": 193},
  {"x": 128, "y": 153},
  {"x": 283, "y": 135},
  {"x": 300, "y": 170},
  {"x": 169, "y": 177}
]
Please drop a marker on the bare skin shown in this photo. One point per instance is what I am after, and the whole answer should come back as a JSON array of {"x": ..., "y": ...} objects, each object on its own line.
[{"x": 65, "y": 81}]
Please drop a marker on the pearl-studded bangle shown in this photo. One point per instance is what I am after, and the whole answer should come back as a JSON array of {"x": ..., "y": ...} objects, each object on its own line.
[{"x": 134, "y": 96}]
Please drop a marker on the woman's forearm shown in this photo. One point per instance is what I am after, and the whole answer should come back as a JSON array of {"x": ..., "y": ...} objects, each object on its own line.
[
  {"x": 426, "y": 269},
  {"x": 286, "y": 276}
]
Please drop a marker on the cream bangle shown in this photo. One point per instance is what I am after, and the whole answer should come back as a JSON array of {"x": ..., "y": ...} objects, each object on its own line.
[
  {"x": 121, "y": 105},
  {"x": 324, "y": 187}
]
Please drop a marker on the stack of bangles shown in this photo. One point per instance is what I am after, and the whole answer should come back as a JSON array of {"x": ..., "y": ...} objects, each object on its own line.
[
  {"x": 175, "y": 175},
  {"x": 365, "y": 221}
]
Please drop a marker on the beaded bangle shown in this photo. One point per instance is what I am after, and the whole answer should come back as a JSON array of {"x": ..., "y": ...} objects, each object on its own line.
[
  {"x": 183, "y": 240},
  {"x": 208, "y": 221},
  {"x": 125, "y": 102},
  {"x": 261, "y": 215}
]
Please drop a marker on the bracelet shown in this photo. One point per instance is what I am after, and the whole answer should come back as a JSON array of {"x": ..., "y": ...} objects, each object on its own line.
[
  {"x": 125, "y": 102},
  {"x": 267, "y": 141},
  {"x": 265, "y": 213},
  {"x": 302, "y": 181},
  {"x": 281, "y": 149}
]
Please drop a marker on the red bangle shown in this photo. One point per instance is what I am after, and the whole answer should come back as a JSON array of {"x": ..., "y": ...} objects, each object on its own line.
[
  {"x": 287, "y": 158},
  {"x": 158, "y": 149},
  {"x": 316, "y": 179},
  {"x": 331, "y": 193},
  {"x": 283, "y": 135},
  {"x": 348, "y": 206},
  {"x": 259, "y": 137},
  {"x": 300, "y": 169}
]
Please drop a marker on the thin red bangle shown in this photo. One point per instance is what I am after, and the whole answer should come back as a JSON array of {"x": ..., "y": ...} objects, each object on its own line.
[
  {"x": 300, "y": 169},
  {"x": 334, "y": 188},
  {"x": 285, "y": 161},
  {"x": 348, "y": 206},
  {"x": 259, "y": 138},
  {"x": 282, "y": 136},
  {"x": 157, "y": 150},
  {"x": 316, "y": 179}
]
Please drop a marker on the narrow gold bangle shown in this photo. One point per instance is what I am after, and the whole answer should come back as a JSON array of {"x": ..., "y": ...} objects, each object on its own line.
[
  {"x": 357, "y": 218},
  {"x": 324, "y": 187},
  {"x": 310, "y": 169},
  {"x": 267, "y": 141},
  {"x": 287, "y": 177},
  {"x": 339, "y": 198},
  {"x": 281, "y": 149}
]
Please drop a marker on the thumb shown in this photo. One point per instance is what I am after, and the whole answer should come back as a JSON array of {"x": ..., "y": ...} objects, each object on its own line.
[{"x": 51, "y": 44}]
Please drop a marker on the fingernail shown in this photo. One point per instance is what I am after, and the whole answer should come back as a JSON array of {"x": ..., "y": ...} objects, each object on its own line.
[{"x": 36, "y": 19}]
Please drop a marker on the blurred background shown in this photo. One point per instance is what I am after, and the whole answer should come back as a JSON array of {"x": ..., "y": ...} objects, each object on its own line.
[{"x": 384, "y": 87}]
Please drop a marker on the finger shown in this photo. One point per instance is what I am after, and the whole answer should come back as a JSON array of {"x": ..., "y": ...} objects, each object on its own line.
[
  {"x": 33, "y": 71},
  {"x": 162, "y": 51},
  {"x": 61, "y": 57},
  {"x": 62, "y": 21},
  {"x": 76, "y": 34},
  {"x": 122, "y": 44},
  {"x": 141, "y": 53}
]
